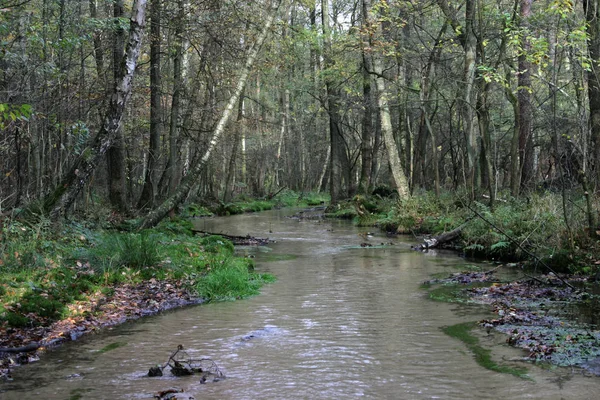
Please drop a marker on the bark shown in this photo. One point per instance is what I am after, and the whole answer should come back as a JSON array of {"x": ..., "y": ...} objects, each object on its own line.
[
  {"x": 524, "y": 99},
  {"x": 97, "y": 40},
  {"x": 428, "y": 73},
  {"x": 62, "y": 197},
  {"x": 468, "y": 106},
  {"x": 592, "y": 15},
  {"x": 190, "y": 180},
  {"x": 150, "y": 185},
  {"x": 366, "y": 147},
  {"x": 172, "y": 173},
  {"x": 228, "y": 192},
  {"x": 333, "y": 108},
  {"x": 115, "y": 155},
  {"x": 400, "y": 181}
]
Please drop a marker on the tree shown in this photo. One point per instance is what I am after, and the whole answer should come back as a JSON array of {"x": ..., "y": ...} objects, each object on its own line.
[
  {"x": 115, "y": 154},
  {"x": 159, "y": 212},
  {"x": 62, "y": 197},
  {"x": 524, "y": 97},
  {"x": 400, "y": 181},
  {"x": 150, "y": 180}
]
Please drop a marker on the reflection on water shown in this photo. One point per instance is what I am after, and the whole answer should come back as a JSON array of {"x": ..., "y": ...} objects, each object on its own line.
[{"x": 340, "y": 322}]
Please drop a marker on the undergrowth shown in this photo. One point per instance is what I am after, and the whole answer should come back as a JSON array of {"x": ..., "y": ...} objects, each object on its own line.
[
  {"x": 244, "y": 203},
  {"x": 43, "y": 271},
  {"x": 521, "y": 229}
]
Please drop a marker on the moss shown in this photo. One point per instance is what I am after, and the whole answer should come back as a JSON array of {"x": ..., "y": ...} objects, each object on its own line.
[{"x": 482, "y": 355}]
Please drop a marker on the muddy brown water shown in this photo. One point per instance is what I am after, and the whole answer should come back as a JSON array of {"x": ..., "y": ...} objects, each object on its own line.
[{"x": 341, "y": 322}]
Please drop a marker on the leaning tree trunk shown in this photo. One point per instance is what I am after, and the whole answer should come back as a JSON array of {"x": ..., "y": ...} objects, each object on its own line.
[
  {"x": 62, "y": 197},
  {"x": 161, "y": 211},
  {"x": 396, "y": 168}
]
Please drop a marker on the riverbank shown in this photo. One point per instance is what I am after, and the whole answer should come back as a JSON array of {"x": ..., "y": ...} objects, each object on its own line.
[
  {"x": 56, "y": 287},
  {"x": 539, "y": 229},
  {"x": 545, "y": 315}
]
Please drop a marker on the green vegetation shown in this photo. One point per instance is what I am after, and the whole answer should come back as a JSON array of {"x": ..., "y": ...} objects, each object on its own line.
[
  {"x": 483, "y": 356},
  {"x": 514, "y": 230},
  {"x": 43, "y": 275},
  {"x": 243, "y": 204}
]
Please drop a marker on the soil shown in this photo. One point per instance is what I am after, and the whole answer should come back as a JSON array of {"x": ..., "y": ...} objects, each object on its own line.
[{"x": 126, "y": 302}]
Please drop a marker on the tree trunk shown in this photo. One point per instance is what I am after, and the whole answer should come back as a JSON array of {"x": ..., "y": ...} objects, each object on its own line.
[
  {"x": 366, "y": 146},
  {"x": 148, "y": 195},
  {"x": 468, "y": 106},
  {"x": 62, "y": 197},
  {"x": 228, "y": 192},
  {"x": 592, "y": 15},
  {"x": 115, "y": 159},
  {"x": 400, "y": 182},
  {"x": 524, "y": 99},
  {"x": 190, "y": 180},
  {"x": 172, "y": 173},
  {"x": 335, "y": 132}
]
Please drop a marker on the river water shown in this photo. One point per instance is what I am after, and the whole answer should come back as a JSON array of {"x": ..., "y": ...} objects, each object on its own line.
[{"x": 341, "y": 322}]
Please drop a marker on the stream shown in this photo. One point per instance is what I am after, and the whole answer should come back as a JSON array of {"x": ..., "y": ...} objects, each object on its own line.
[{"x": 341, "y": 322}]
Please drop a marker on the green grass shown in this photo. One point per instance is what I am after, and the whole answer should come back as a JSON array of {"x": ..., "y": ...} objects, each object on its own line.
[
  {"x": 482, "y": 355},
  {"x": 231, "y": 281},
  {"x": 43, "y": 271}
]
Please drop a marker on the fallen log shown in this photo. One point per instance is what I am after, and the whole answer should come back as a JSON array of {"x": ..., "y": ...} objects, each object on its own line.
[
  {"x": 23, "y": 349},
  {"x": 440, "y": 239},
  {"x": 237, "y": 240}
]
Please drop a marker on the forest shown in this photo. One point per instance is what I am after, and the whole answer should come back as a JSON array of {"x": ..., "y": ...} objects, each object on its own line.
[
  {"x": 474, "y": 121},
  {"x": 118, "y": 109}
]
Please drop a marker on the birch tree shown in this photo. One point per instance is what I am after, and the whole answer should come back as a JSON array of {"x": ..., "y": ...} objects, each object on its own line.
[
  {"x": 63, "y": 197},
  {"x": 195, "y": 172},
  {"x": 400, "y": 181}
]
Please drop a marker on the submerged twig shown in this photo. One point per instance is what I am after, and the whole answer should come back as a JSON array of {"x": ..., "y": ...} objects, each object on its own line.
[{"x": 182, "y": 365}]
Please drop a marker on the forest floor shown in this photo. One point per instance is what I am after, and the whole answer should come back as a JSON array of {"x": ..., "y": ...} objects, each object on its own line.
[
  {"x": 553, "y": 322},
  {"x": 99, "y": 311}
]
